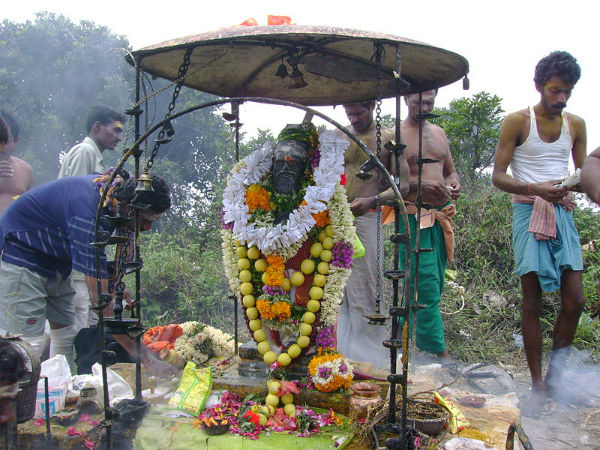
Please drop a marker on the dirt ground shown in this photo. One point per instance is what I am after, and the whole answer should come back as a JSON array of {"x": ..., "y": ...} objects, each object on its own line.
[{"x": 563, "y": 426}]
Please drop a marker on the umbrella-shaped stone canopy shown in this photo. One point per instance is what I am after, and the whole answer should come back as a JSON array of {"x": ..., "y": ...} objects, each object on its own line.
[{"x": 337, "y": 65}]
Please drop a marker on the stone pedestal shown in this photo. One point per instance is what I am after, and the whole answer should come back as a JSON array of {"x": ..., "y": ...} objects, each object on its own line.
[
  {"x": 252, "y": 365},
  {"x": 231, "y": 380}
]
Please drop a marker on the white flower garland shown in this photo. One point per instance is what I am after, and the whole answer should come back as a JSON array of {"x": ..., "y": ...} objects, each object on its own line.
[
  {"x": 343, "y": 230},
  {"x": 200, "y": 347},
  {"x": 300, "y": 221},
  {"x": 230, "y": 260}
]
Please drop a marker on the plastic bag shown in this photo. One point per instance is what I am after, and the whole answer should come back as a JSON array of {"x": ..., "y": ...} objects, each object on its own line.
[
  {"x": 57, "y": 370},
  {"x": 358, "y": 248},
  {"x": 193, "y": 389},
  {"x": 118, "y": 387}
]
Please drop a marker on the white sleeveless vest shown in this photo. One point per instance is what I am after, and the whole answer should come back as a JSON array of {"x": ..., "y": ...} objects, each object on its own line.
[{"x": 535, "y": 160}]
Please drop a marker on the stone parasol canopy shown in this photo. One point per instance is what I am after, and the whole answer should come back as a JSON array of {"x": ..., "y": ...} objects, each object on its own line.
[{"x": 337, "y": 64}]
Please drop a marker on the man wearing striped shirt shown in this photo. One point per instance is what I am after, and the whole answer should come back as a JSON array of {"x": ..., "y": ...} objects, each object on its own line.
[{"x": 44, "y": 235}]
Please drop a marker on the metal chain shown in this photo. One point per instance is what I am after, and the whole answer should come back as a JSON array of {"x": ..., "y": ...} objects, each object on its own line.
[
  {"x": 378, "y": 54},
  {"x": 180, "y": 79}
]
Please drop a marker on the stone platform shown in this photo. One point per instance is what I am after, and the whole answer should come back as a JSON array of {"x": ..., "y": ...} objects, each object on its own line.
[{"x": 230, "y": 380}]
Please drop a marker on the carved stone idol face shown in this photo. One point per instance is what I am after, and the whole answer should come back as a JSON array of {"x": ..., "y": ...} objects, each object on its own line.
[{"x": 288, "y": 166}]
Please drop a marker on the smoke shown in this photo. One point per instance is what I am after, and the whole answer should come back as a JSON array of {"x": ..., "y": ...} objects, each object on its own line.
[{"x": 574, "y": 379}]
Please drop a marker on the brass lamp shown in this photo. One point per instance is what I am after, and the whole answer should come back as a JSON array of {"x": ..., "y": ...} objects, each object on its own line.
[{"x": 144, "y": 182}]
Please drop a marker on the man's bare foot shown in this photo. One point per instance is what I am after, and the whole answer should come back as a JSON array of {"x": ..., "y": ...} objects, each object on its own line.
[
  {"x": 444, "y": 357},
  {"x": 533, "y": 404}
]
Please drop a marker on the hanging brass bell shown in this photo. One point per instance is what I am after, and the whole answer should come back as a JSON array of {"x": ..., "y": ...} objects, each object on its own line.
[
  {"x": 282, "y": 71},
  {"x": 296, "y": 79},
  {"x": 144, "y": 182}
]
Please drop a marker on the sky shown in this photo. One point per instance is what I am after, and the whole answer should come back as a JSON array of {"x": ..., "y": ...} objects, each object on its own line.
[{"x": 502, "y": 40}]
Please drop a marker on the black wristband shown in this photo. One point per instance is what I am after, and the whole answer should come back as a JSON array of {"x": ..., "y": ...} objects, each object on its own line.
[{"x": 376, "y": 198}]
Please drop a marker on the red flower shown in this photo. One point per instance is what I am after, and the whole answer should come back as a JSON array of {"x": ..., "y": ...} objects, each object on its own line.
[
  {"x": 343, "y": 180},
  {"x": 252, "y": 417}
]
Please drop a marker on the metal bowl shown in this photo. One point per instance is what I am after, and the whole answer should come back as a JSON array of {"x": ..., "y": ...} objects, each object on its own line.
[
  {"x": 417, "y": 416},
  {"x": 216, "y": 429}
]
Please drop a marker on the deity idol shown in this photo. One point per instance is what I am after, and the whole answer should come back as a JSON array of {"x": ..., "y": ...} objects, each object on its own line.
[{"x": 287, "y": 241}]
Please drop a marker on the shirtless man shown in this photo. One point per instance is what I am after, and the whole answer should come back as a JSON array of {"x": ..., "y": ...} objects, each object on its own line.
[
  {"x": 440, "y": 185},
  {"x": 537, "y": 143},
  {"x": 16, "y": 176},
  {"x": 355, "y": 338},
  {"x": 590, "y": 174}
]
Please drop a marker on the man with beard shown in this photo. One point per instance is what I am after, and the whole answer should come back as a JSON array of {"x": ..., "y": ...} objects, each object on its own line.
[
  {"x": 537, "y": 142},
  {"x": 356, "y": 339}
]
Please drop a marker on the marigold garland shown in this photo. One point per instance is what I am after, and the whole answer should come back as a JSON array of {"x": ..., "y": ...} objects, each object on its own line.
[
  {"x": 275, "y": 270},
  {"x": 282, "y": 310},
  {"x": 330, "y": 372}
]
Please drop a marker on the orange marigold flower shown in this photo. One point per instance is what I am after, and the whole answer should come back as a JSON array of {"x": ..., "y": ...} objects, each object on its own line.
[
  {"x": 264, "y": 308},
  {"x": 257, "y": 197},
  {"x": 321, "y": 218},
  {"x": 281, "y": 310},
  {"x": 275, "y": 270},
  {"x": 274, "y": 278},
  {"x": 275, "y": 260}
]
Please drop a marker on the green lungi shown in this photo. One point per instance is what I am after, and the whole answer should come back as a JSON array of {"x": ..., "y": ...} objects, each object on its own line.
[{"x": 432, "y": 267}]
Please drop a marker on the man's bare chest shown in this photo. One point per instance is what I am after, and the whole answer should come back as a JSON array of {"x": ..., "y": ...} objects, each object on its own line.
[{"x": 15, "y": 184}]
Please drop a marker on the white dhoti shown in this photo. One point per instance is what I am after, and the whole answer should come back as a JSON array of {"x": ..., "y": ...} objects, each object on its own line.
[{"x": 356, "y": 339}]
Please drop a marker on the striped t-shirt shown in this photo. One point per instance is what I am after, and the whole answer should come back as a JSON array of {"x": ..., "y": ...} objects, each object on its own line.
[{"x": 50, "y": 228}]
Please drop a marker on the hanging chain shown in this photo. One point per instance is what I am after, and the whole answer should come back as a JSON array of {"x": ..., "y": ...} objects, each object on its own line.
[
  {"x": 378, "y": 55},
  {"x": 166, "y": 129}
]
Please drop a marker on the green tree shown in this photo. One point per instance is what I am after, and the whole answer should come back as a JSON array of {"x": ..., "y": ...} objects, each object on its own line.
[
  {"x": 51, "y": 72},
  {"x": 472, "y": 126}
]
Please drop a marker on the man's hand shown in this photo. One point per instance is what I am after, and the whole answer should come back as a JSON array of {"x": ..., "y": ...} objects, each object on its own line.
[
  {"x": 157, "y": 367},
  {"x": 361, "y": 205},
  {"x": 6, "y": 169},
  {"x": 455, "y": 190},
  {"x": 548, "y": 191},
  {"x": 436, "y": 190}
]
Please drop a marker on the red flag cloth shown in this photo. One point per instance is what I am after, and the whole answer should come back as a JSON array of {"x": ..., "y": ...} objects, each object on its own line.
[
  {"x": 278, "y": 20},
  {"x": 251, "y": 22}
]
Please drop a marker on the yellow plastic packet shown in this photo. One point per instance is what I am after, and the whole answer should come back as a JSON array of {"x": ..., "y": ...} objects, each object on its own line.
[
  {"x": 359, "y": 248},
  {"x": 457, "y": 421},
  {"x": 193, "y": 390}
]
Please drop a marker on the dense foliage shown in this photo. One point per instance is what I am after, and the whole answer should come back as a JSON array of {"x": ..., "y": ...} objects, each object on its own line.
[
  {"x": 472, "y": 125},
  {"x": 51, "y": 72}
]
